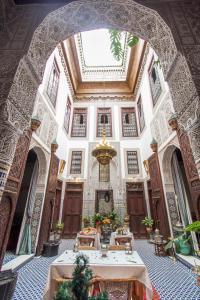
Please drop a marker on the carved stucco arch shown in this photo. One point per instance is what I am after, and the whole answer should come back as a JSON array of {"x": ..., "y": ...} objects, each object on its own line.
[{"x": 92, "y": 14}]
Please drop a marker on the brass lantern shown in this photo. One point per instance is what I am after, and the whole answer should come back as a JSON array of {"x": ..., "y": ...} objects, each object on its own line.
[{"x": 104, "y": 152}]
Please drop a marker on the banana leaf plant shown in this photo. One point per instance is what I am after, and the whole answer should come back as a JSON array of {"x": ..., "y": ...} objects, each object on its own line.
[{"x": 116, "y": 43}]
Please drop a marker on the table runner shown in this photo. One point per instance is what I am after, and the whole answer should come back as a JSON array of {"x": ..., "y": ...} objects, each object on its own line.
[{"x": 117, "y": 265}]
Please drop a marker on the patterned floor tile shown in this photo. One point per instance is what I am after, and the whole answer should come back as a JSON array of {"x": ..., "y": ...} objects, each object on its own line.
[
  {"x": 172, "y": 280},
  {"x": 8, "y": 257}
]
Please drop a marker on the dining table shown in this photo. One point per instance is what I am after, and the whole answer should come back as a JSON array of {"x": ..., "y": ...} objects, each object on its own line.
[{"x": 116, "y": 265}]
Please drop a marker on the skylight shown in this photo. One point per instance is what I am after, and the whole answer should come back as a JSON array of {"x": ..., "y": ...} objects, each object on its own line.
[
  {"x": 95, "y": 58},
  {"x": 96, "y": 49}
]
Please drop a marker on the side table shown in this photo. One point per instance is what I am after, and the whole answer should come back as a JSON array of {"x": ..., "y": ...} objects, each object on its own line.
[{"x": 159, "y": 248}]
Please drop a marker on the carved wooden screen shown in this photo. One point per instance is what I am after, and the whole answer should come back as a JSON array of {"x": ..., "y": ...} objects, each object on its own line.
[
  {"x": 191, "y": 172},
  {"x": 132, "y": 162},
  {"x": 47, "y": 214},
  {"x": 136, "y": 207},
  {"x": 79, "y": 124},
  {"x": 129, "y": 123},
  {"x": 157, "y": 198},
  {"x": 140, "y": 114},
  {"x": 104, "y": 120},
  {"x": 67, "y": 115},
  {"x": 12, "y": 188},
  {"x": 154, "y": 81},
  {"x": 52, "y": 87}
]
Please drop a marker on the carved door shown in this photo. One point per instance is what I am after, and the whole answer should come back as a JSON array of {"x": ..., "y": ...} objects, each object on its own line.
[
  {"x": 191, "y": 172},
  {"x": 136, "y": 206},
  {"x": 47, "y": 215},
  {"x": 56, "y": 209},
  {"x": 158, "y": 201},
  {"x": 72, "y": 210},
  {"x": 12, "y": 188}
]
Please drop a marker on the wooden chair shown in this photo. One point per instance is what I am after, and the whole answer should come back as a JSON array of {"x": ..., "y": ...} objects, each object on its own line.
[
  {"x": 116, "y": 247},
  {"x": 121, "y": 289},
  {"x": 86, "y": 241},
  {"x": 86, "y": 248},
  {"x": 123, "y": 240}
]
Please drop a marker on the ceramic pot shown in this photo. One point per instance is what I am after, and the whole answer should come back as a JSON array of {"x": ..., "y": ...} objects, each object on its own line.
[
  {"x": 149, "y": 230},
  {"x": 185, "y": 247}
]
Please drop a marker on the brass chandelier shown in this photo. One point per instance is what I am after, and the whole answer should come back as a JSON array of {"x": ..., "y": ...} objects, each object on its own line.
[{"x": 104, "y": 152}]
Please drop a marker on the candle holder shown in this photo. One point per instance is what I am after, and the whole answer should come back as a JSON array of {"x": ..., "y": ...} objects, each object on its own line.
[
  {"x": 104, "y": 250},
  {"x": 128, "y": 248}
]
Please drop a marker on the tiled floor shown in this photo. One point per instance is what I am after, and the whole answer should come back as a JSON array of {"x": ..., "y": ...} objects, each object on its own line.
[
  {"x": 172, "y": 280},
  {"x": 8, "y": 257}
]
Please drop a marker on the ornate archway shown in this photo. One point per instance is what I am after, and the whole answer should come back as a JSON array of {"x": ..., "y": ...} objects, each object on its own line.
[{"x": 92, "y": 14}]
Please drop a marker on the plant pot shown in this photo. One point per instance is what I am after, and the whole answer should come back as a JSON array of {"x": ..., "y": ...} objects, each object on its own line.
[
  {"x": 185, "y": 247},
  {"x": 149, "y": 230},
  {"x": 50, "y": 249},
  {"x": 177, "y": 246},
  {"x": 8, "y": 280}
]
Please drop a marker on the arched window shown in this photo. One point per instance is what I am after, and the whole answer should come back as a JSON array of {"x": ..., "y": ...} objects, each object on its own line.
[{"x": 104, "y": 119}]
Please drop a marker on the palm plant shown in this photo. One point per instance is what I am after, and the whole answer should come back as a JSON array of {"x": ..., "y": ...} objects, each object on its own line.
[{"x": 116, "y": 43}]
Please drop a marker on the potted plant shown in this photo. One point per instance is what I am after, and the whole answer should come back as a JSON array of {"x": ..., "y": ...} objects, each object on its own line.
[
  {"x": 194, "y": 227},
  {"x": 97, "y": 220},
  {"x": 86, "y": 222},
  {"x": 148, "y": 223},
  {"x": 78, "y": 287},
  {"x": 180, "y": 243},
  {"x": 59, "y": 229}
]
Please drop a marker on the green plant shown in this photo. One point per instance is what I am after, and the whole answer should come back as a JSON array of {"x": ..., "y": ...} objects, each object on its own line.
[
  {"x": 97, "y": 219},
  {"x": 195, "y": 226},
  {"x": 116, "y": 43},
  {"x": 78, "y": 287},
  {"x": 177, "y": 241},
  {"x": 148, "y": 222},
  {"x": 112, "y": 215}
]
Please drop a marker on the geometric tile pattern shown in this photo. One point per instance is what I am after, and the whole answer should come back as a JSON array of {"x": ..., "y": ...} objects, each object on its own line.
[
  {"x": 172, "y": 280},
  {"x": 8, "y": 257}
]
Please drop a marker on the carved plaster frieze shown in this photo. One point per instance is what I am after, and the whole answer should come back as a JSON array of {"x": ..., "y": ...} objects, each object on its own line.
[
  {"x": 22, "y": 94},
  {"x": 8, "y": 140},
  {"x": 121, "y": 98},
  {"x": 182, "y": 87},
  {"x": 92, "y": 14}
]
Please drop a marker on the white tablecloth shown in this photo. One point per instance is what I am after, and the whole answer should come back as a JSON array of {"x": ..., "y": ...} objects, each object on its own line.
[
  {"x": 116, "y": 265},
  {"x": 114, "y": 235},
  {"x": 97, "y": 243}
]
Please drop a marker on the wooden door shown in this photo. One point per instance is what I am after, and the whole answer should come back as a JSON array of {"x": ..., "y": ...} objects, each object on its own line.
[
  {"x": 158, "y": 200},
  {"x": 136, "y": 206},
  {"x": 72, "y": 211},
  {"x": 56, "y": 208}
]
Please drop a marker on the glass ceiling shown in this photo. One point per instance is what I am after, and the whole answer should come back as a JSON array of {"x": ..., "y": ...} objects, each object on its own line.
[{"x": 95, "y": 58}]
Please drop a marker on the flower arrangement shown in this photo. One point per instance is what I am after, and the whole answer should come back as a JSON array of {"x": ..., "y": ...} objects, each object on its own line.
[
  {"x": 106, "y": 221},
  {"x": 97, "y": 219}
]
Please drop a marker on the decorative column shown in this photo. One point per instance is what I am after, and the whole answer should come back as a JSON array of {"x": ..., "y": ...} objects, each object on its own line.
[{"x": 47, "y": 214}]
